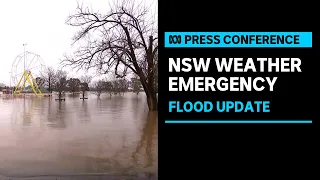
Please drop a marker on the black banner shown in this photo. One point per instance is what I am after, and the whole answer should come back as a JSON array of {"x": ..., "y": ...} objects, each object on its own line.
[{"x": 275, "y": 134}]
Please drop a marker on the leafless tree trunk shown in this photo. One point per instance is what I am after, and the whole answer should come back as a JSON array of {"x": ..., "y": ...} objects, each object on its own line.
[
  {"x": 124, "y": 40},
  {"x": 108, "y": 86},
  {"x": 60, "y": 82},
  {"x": 85, "y": 81},
  {"x": 98, "y": 87},
  {"x": 49, "y": 77}
]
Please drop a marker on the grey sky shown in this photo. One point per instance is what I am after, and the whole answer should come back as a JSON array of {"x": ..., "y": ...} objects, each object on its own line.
[{"x": 41, "y": 24}]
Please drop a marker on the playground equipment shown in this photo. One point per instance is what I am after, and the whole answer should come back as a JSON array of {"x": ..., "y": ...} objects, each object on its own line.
[
  {"x": 27, "y": 76},
  {"x": 25, "y": 67}
]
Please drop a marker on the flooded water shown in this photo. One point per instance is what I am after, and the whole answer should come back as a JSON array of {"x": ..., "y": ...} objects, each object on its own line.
[{"x": 41, "y": 136}]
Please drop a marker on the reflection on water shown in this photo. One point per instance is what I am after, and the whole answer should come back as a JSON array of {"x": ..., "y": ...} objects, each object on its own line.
[{"x": 41, "y": 136}]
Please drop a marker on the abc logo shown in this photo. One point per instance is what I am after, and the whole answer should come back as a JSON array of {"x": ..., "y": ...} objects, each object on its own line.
[{"x": 174, "y": 39}]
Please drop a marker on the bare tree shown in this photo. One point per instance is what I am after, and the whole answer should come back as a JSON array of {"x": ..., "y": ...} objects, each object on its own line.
[
  {"x": 60, "y": 83},
  {"x": 156, "y": 74},
  {"x": 123, "y": 40},
  {"x": 85, "y": 81},
  {"x": 40, "y": 81},
  {"x": 123, "y": 85},
  {"x": 120, "y": 86},
  {"x": 98, "y": 88},
  {"x": 108, "y": 86},
  {"x": 73, "y": 84},
  {"x": 136, "y": 84},
  {"x": 48, "y": 76}
]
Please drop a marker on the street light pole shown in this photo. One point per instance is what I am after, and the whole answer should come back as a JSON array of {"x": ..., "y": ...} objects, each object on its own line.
[
  {"x": 24, "y": 61},
  {"x": 10, "y": 80},
  {"x": 24, "y": 56}
]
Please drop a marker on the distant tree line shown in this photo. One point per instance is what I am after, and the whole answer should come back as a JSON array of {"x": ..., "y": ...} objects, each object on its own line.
[
  {"x": 51, "y": 80},
  {"x": 116, "y": 86},
  {"x": 57, "y": 81}
]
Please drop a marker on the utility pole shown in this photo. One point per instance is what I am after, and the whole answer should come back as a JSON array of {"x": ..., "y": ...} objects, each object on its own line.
[
  {"x": 10, "y": 80},
  {"x": 24, "y": 61}
]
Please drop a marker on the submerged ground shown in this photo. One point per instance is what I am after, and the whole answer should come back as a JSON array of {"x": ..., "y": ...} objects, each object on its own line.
[{"x": 111, "y": 138}]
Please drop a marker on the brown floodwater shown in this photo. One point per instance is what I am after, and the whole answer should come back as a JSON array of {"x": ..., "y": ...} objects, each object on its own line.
[{"x": 42, "y": 136}]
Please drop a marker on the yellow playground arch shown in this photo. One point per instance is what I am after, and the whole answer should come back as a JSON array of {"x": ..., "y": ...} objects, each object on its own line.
[{"x": 27, "y": 77}]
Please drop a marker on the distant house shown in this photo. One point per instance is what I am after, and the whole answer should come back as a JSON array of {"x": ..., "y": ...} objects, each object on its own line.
[{"x": 4, "y": 89}]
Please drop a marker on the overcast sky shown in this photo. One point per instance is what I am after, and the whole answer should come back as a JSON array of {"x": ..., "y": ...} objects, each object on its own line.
[{"x": 40, "y": 24}]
